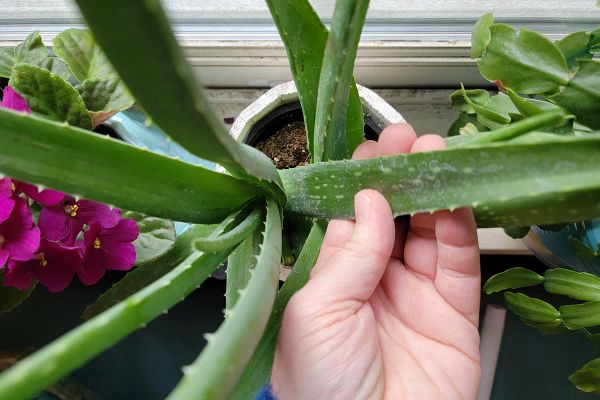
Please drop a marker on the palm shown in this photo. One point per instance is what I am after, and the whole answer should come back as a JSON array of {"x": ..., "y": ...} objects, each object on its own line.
[{"x": 407, "y": 329}]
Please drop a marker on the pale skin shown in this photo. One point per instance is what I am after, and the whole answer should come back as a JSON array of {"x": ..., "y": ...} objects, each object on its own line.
[{"x": 391, "y": 309}]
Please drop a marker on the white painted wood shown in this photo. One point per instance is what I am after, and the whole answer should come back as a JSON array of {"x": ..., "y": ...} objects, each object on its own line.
[{"x": 491, "y": 340}]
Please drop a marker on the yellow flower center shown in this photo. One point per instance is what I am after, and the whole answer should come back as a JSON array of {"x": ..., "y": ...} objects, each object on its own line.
[
  {"x": 71, "y": 209},
  {"x": 13, "y": 186},
  {"x": 2, "y": 241},
  {"x": 97, "y": 243},
  {"x": 42, "y": 259}
]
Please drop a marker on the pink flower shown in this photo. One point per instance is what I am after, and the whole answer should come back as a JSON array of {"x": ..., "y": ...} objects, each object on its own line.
[
  {"x": 53, "y": 265},
  {"x": 19, "y": 237},
  {"x": 46, "y": 197},
  {"x": 107, "y": 248},
  {"x": 13, "y": 101},
  {"x": 7, "y": 203},
  {"x": 64, "y": 221}
]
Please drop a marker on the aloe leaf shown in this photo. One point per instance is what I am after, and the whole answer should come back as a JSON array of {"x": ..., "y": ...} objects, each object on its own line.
[
  {"x": 50, "y": 95},
  {"x": 305, "y": 39},
  {"x": 106, "y": 170},
  {"x": 549, "y": 192},
  {"x": 523, "y": 60},
  {"x": 104, "y": 97},
  {"x": 239, "y": 266},
  {"x": 575, "y": 47},
  {"x": 584, "y": 315},
  {"x": 81, "y": 344},
  {"x": 157, "y": 236},
  {"x": 215, "y": 372},
  {"x": 144, "y": 275},
  {"x": 31, "y": 51},
  {"x": 10, "y": 298},
  {"x": 533, "y": 310},
  {"x": 258, "y": 370},
  {"x": 481, "y": 36},
  {"x": 581, "y": 95},
  {"x": 233, "y": 237},
  {"x": 587, "y": 378},
  {"x": 82, "y": 54},
  {"x": 147, "y": 57},
  {"x": 576, "y": 285},
  {"x": 336, "y": 77},
  {"x": 513, "y": 278}
]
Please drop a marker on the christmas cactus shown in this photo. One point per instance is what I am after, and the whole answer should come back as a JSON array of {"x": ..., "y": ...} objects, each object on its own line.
[{"x": 527, "y": 156}]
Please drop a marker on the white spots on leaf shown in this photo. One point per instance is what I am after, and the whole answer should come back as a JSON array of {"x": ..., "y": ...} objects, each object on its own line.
[
  {"x": 357, "y": 173},
  {"x": 341, "y": 196}
]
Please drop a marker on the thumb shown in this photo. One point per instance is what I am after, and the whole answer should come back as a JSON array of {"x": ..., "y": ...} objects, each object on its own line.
[{"x": 354, "y": 271}]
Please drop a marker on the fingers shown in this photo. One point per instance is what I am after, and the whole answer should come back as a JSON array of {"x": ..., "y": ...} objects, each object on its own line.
[{"x": 396, "y": 139}]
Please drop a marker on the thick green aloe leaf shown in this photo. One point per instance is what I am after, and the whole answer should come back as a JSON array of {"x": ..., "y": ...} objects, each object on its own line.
[
  {"x": 513, "y": 278},
  {"x": 218, "y": 368},
  {"x": 523, "y": 60},
  {"x": 234, "y": 236},
  {"x": 50, "y": 95},
  {"x": 10, "y": 298},
  {"x": 305, "y": 39},
  {"x": 336, "y": 78},
  {"x": 587, "y": 378},
  {"x": 575, "y": 47},
  {"x": 82, "y": 54},
  {"x": 581, "y": 96},
  {"x": 258, "y": 370},
  {"x": 157, "y": 236},
  {"x": 147, "y": 57},
  {"x": 533, "y": 310},
  {"x": 31, "y": 51},
  {"x": 576, "y": 285},
  {"x": 584, "y": 315},
  {"x": 151, "y": 271},
  {"x": 239, "y": 266},
  {"x": 104, "y": 97},
  {"x": 75, "y": 348},
  {"x": 528, "y": 185},
  {"x": 481, "y": 36},
  {"x": 106, "y": 170}
]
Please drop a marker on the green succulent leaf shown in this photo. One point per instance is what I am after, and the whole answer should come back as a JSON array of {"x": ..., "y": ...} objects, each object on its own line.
[
  {"x": 584, "y": 315},
  {"x": 299, "y": 26},
  {"x": 10, "y": 298},
  {"x": 481, "y": 36},
  {"x": 215, "y": 372},
  {"x": 535, "y": 312},
  {"x": 576, "y": 285},
  {"x": 44, "y": 152},
  {"x": 157, "y": 236},
  {"x": 582, "y": 250},
  {"x": 524, "y": 106},
  {"x": 50, "y": 95},
  {"x": 477, "y": 96},
  {"x": 489, "y": 113},
  {"x": 82, "y": 54},
  {"x": 258, "y": 370},
  {"x": 587, "y": 378},
  {"x": 146, "y": 56},
  {"x": 581, "y": 95},
  {"x": 56, "y": 66},
  {"x": 549, "y": 193},
  {"x": 239, "y": 267},
  {"x": 513, "y": 278},
  {"x": 31, "y": 51},
  {"x": 336, "y": 78},
  {"x": 465, "y": 124},
  {"x": 104, "y": 97},
  {"x": 146, "y": 274},
  {"x": 517, "y": 232},
  {"x": 523, "y": 60},
  {"x": 575, "y": 47}
]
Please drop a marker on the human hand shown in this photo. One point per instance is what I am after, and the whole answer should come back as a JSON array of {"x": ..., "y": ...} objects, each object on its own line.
[{"x": 391, "y": 309}]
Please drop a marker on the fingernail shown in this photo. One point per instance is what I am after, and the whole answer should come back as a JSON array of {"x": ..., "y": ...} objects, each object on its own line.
[{"x": 362, "y": 206}]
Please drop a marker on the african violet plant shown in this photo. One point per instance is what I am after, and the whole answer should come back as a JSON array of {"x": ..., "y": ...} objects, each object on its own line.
[{"x": 518, "y": 173}]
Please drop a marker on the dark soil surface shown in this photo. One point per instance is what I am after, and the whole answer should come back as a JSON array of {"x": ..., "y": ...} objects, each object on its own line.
[{"x": 287, "y": 147}]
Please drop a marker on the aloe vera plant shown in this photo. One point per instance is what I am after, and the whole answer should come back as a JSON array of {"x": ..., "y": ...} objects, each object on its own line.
[{"x": 519, "y": 163}]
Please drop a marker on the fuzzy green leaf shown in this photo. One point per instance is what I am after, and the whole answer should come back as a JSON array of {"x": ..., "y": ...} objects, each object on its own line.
[
  {"x": 239, "y": 267},
  {"x": 10, "y": 298},
  {"x": 575, "y": 47},
  {"x": 215, "y": 372},
  {"x": 576, "y": 285},
  {"x": 104, "y": 97},
  {"x": 587, "y": 378},
  {"x": 336, "y": 78},
  {"x": 31, "y": 51},
  {"x": 523, "y": 60},
  {"x": 258, "y": 370},
  {"x": 157, "y": 236},
  {"x": 533, "y": 310},
  {"x": 305, "y": 39},
  {"x": 50, "y": 95},
  {"x": 147, "y": 57},
  {"x": 481, "y": 36},
  {"x": 577, "y": 316},
  {"x": 581, "y": 96},
  {"x": 513, "y": 278},
  {"x": 103, "y": 169},
  {"x": 550, "y": 191},
  {"x": 84, "y": 57}
]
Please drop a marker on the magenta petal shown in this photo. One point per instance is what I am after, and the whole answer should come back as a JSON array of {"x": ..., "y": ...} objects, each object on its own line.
[
  {"x": 6, "y": 187},
  {"x": 120, "y": 257},
  {"x": 18, "y": 275},
  {"x": 61, "y": 264},
  {"x": 125, "y": 231},
  {"x": 54, "y": 223},
  {"x": 92, "y": 269},
  {"x": 46, "y": 197},
  {"x": 3, "y": 257},
  {"x": 22, "y": 237},
  {"x": 92, "y": 211},
  {"x": 14, "y": 101},
  {"x": 6, "y": 206}
]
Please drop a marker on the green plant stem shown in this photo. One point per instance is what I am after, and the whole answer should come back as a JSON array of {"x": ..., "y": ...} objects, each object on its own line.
[
  {"x": 234, "y": 236},
  {"x": 75, "y": 348},
  {"x": 214, "y": 373}
]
